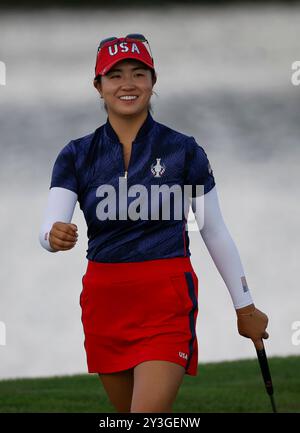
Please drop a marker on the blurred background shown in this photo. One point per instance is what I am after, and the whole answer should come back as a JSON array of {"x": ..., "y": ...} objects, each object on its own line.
[{"x": 224, "y": 77}]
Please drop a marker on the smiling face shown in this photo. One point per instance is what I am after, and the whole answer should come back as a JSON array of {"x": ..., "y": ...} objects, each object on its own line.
[{"x": 129, "y": 77}]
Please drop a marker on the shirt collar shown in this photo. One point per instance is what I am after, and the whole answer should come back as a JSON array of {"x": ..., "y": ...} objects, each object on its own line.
[{"x": 142, "y": 132}]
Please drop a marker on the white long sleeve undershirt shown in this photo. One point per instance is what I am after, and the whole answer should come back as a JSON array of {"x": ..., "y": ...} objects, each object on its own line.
[
  {"x": 61, "y": 204},
  {"x": 221, "y": 247},
  {"x": 60, "y": 207}
]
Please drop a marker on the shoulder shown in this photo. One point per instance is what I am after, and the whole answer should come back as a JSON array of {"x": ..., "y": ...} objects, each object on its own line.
[
  {"x": 188, "y": 141},
  {"x": 187, "y": 144},
  {"x": 178, "y": 139},
  {"x": 82, "y": 144},
  {"x": 80, "y": 148},
  {"x": 76, "y": 153},
  {"x": 74, "y": 146},
  {"x": 171, "y": 132}
]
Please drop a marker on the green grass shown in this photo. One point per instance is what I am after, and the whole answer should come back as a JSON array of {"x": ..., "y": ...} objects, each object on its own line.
[{"x": 219, "y": 387}]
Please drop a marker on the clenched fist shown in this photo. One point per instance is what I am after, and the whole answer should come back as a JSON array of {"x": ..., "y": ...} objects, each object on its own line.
[
  {"x": 252, "y": 323},
  {"x": 63, "y": 236}
]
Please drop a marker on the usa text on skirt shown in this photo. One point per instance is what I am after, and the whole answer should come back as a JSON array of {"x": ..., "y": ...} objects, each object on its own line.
[{"x": 138, "y": 311}]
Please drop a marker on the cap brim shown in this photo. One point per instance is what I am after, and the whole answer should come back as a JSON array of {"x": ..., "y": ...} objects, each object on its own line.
[{"x": 127, "y": 56}]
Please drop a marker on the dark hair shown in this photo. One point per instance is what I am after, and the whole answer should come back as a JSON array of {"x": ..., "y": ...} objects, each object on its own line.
[{"x": 98, "y": 79}]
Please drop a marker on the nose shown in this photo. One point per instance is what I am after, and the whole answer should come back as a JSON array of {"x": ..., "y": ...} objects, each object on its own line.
[
  {"x": 128, "y": 81},
  {"x": 127, "y": 85}
]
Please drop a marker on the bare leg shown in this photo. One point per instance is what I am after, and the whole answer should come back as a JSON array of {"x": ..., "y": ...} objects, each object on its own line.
[
  {"x": 156, "y": 384},
  {"x": 119, "y": 388}
]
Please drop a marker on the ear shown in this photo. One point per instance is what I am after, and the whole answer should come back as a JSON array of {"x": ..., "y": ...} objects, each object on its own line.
[
  {"x": 154, "y": 79},
  {"x": 97, "y": 85}
]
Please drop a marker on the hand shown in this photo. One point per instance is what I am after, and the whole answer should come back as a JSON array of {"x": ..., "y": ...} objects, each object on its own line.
[
  {"x": 63, "y": 236},
  {"x": 252, "y": 323}
]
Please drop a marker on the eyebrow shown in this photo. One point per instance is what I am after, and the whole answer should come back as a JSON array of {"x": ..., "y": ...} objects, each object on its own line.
[{"x": 120, "y": 70}]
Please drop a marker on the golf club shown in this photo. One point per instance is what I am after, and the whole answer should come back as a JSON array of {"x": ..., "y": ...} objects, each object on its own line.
[{"x": 264, "y": 366}]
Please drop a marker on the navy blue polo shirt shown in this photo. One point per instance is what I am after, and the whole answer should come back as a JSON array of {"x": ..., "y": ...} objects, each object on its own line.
[{"x": 93, "y": 167}]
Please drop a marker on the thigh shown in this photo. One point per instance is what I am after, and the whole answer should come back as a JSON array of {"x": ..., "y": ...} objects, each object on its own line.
[
  {"x": 156, "y": 384},
  {"x": 119, "y": 388}
]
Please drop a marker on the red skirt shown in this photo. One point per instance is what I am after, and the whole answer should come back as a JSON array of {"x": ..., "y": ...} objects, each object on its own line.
[{"x": 139, "y": 311}]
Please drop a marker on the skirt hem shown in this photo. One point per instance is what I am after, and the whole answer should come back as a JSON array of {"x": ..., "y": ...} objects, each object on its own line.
[{"x": 125, "y": 366}]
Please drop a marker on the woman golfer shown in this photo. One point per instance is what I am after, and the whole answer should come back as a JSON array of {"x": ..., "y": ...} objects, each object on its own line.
[{"x": 139, "y": 296}]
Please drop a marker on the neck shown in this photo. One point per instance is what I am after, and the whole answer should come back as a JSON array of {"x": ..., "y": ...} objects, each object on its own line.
[{"x": 127, "y": 127}]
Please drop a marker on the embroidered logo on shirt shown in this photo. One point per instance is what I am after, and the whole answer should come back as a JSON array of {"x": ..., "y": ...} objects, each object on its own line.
[
  {"x": 158, "y": 169},
  {"x": 183, "y": 355}
]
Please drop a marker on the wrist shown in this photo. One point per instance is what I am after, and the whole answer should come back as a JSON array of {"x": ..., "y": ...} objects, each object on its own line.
[{"x": 246, "y": 311}]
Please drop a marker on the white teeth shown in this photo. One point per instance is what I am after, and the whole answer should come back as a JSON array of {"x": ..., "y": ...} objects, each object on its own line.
[{"x": 128, "y": 97}]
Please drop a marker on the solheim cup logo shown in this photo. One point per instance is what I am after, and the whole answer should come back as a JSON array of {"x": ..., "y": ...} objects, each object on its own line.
[
  {"x": 2, "y": 334},
  {"x": 158, "y": 169}
]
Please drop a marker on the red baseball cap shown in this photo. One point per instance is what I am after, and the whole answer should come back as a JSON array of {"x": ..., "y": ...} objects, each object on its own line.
[{"x": 122, "y": 48}]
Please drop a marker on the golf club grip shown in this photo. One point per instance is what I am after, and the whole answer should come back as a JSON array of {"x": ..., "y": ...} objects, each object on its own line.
[{"x": 264, "y": 366}]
